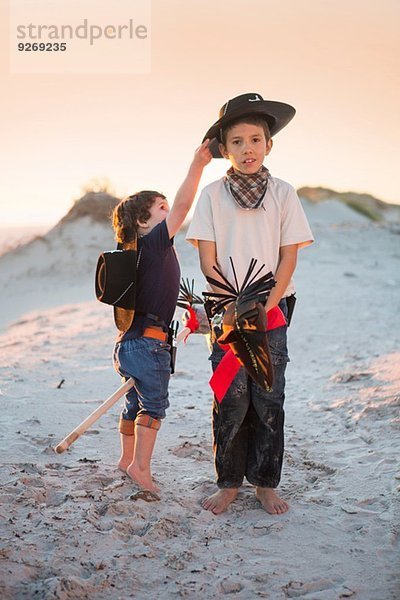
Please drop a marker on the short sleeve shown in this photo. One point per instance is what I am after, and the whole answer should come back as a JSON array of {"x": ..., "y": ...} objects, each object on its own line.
[
  {"x": 294, "y": 225},
  {"x": 158, "y": 239},
  {"x": 201, "y": 226}
]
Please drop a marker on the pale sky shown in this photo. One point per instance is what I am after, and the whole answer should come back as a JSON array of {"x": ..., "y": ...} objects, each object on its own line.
[{"x": 336, "y": 61}]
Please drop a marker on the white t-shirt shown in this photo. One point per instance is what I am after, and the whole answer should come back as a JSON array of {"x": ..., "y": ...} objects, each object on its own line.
[{"x": 255, "y": 233}]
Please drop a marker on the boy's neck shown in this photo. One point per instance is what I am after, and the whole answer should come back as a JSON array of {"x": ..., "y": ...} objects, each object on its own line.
[
  {"x": 237, "y": 172},
  {"x": 142, "y": 232}
]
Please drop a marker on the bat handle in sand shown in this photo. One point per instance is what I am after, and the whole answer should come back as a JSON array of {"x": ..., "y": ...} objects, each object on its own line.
[
  {"x": 92, "y": 418},
  {"x": 103, "y": 408}
]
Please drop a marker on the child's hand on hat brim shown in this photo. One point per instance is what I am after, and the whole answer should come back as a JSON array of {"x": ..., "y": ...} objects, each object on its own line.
[{"x": 202, "y": 154}]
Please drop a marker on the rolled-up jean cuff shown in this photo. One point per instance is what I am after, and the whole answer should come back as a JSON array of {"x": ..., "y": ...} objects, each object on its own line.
[
  {"x": 148, "y": 421},
  {"x": 126, "y": 426}
]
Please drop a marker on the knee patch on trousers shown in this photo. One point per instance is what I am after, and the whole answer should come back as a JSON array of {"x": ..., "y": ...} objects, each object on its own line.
[
  {"x": 126, "y": 426},
  {"x": 147, "y": 421}
]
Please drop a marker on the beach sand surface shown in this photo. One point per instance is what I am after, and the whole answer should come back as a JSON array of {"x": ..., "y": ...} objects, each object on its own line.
[{"x": 73, "y": 526}]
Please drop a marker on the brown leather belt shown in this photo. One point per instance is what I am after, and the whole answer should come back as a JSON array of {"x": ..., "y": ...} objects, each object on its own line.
[{"x": 156, "y": 333}]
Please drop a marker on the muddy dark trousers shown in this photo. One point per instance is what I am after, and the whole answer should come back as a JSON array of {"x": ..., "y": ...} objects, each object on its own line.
[{"x": 248, "y": 424}]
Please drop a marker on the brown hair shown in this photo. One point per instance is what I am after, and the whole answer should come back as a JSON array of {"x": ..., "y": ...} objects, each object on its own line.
[
  {"x": 129, "y": 211},
  {"x": 251, "y": 120}
]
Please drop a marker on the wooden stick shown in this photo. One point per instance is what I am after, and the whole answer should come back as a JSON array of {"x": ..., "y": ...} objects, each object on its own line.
[
  {"x": 103, "y": 408},
  {"x": 92, "y": 418}
]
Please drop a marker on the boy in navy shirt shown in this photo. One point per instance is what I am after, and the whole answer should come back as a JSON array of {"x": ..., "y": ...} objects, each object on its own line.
[{"x": 141, "y": 351}]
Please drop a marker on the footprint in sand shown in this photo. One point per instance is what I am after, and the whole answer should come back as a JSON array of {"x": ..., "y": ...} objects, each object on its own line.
[
  {"x": 55, "y": 498},
  {"x": 30, "y": 469},
  {"x": 366, "y": 507},
  {"x": 32, "y": 421},
  {"x": 191, "y": 450},
  {"x": 145, "y": 495},
  {"x": 348, "y": 377},
  {"x": 299, "y": 589},
  {"x": 310, "y": 464},
  {"x": 41, "y": 441}
]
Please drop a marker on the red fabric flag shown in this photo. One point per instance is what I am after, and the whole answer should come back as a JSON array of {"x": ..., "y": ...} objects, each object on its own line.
[{"x": 192, "y": 323}]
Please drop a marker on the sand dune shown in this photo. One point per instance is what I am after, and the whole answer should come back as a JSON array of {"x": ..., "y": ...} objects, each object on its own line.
[{"x": 73, "y": 527}]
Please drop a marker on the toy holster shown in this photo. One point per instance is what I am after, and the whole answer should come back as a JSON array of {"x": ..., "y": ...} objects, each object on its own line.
[
  {"x": 290, "y": 301},
  {"x": 172, "y": 331}
]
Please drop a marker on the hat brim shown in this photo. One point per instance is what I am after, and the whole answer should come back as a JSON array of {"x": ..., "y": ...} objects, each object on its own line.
[{"x": 277, "y": 115}]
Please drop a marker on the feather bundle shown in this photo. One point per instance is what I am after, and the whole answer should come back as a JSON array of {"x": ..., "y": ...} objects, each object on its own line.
[
  {"x": 187, "y": 298},
  {"x": 244, "y": 323},
  {"x": 195, "y": 316}
]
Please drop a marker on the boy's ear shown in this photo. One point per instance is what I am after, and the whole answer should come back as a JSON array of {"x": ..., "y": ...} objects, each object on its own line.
[
  {"x": 268, "y": 149},
  {"x": 142, "y": 224},
  {"x": 223, "y": 151}
]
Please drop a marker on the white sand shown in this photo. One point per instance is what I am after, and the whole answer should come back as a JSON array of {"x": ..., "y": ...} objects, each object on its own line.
[{"x": 69, "y": 527}]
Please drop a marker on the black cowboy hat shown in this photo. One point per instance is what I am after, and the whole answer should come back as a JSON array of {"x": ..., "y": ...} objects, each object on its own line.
[
  {"x": 115, "y": 284},
  {"x": 277, "y": 115}
]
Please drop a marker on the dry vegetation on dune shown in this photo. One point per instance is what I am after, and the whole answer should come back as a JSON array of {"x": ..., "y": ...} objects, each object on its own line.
[
  {"x": 365, "y": 204},
  {"x": 96, "y": 205}
]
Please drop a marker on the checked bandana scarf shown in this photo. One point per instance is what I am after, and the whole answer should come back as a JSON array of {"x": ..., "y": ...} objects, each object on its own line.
[{"x": 248, "y": 190}]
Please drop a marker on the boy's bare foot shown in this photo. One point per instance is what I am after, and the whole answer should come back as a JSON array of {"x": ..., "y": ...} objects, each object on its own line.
[
  {"x": 123, "y": 465},
  {"x": 219, "y": 502},
  {"x": 127, "y": 451},
  {"x": 142, "y": 478},
  {"x": 271, "y": 501}
]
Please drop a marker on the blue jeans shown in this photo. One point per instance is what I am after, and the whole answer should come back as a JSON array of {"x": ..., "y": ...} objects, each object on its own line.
[
  {"x": 248, "y": 423},
  {"x": 148, "y": 361}
]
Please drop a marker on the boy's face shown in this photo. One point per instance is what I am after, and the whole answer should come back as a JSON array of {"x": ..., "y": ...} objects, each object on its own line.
[
  {"x": 158, "y": 212},
  {"x": 246, "y": 147}
]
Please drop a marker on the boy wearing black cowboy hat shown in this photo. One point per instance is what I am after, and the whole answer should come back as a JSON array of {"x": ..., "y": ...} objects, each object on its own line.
[{"x": 249, "y": 214}]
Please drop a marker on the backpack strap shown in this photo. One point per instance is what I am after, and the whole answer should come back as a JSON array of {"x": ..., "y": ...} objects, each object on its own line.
[{"x": 133, "y": 245}]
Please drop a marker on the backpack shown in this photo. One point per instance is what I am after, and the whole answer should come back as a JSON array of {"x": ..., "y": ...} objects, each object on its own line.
[{"x": 115, "y": 282}]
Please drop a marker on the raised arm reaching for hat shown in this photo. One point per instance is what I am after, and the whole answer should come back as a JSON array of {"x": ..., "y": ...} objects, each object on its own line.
[{"x": 186, "y": 193}]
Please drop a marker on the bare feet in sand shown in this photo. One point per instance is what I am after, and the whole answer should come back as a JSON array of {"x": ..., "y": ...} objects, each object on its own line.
[
  {"x": 271, "y": 501},
  {"x": 123, "y": 465},
  {"x": 219, "y": 502},
  {"x": 142, "y": 478},
  {"x": 127, "y": 451}
]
